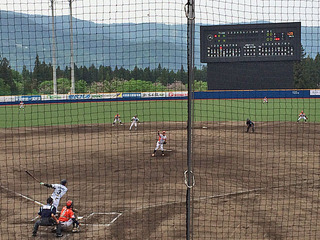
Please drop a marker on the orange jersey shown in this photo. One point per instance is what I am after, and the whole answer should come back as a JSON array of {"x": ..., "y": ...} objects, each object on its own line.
[
  {"x": 66, "y": 214},
  {"x": 117, "y": 116}
]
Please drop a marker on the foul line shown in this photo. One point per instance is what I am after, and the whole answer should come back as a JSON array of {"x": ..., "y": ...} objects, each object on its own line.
[
  {"x": 222, "y": 195},
  {"x": 21, "y": 195}
]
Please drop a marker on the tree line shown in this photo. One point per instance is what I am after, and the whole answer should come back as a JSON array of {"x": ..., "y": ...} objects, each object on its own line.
[
  {"x": 94, "y": 80},
  {"x": 105, "y": 79}
]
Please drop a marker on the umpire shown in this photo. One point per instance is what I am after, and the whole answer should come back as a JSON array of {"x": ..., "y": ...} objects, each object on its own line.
[
  {"x": 47, "y": 217},
  {"x": 250, "y": 124}
]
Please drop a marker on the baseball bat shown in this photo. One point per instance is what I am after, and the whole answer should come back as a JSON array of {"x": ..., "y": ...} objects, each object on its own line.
[{"x": 27, "y": 172}]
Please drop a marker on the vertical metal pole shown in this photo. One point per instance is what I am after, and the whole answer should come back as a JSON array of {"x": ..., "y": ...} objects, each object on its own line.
[
  {"x": 54, "y": 68},
  {"x": 71, "y": 51},
  {"x": 190, "y": 13}
]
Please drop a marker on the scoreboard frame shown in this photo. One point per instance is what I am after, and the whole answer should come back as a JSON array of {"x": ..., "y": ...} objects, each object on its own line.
[{"x": 250, "y": 42}]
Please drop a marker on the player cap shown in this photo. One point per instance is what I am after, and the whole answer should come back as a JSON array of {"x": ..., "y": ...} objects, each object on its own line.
[{"x": 163, "y": 131}]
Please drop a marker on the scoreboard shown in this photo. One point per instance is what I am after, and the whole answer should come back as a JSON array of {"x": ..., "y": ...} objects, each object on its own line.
[{"x": 251, "y": 42}]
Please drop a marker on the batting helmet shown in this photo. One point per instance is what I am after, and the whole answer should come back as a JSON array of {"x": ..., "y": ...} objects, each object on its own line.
[
  {"x": 63, "y": 182},
  {"x": 49, "y": 200},
  {"x": 69, "y": 203}
]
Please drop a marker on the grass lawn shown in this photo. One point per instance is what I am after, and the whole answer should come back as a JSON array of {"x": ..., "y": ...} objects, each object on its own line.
[{"x": 176, "y": 110}]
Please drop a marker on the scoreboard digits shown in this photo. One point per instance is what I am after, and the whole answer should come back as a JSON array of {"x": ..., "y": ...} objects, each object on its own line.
[{"x": 251, "y": 42}]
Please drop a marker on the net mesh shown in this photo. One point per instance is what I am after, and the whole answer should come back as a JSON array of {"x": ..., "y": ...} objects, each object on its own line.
[{"x": 127, "y": 61}]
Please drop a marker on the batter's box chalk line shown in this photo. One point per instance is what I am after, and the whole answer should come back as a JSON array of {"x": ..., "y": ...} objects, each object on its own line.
[{"x": 113, "y": 217}]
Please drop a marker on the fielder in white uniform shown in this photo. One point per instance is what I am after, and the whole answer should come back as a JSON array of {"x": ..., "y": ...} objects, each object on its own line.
[
  {"x": 162, "y": 139},
  {"x": 59, "y": 191},
  {"x": 134, "y": 122},
  {"x": 21, "y": 105}
]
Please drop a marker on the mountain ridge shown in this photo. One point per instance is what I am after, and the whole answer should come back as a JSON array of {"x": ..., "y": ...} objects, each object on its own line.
[{"x": 23, "y": 36}]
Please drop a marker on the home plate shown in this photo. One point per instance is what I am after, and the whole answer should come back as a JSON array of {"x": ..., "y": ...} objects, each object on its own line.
[
  {"x": 204, "y": 127},
  {"x": 167, "y": 150}
]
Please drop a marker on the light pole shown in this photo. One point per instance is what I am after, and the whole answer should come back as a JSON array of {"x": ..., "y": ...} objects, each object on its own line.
[
  {"x": 71, "y": 51},
  {"x": 54, "y": 69}
]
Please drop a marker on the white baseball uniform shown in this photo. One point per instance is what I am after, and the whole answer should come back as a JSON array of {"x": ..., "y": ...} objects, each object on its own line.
[
  {"x": 21, "y": 106},
  {"x": 59, "y": 191},
  {"x": 134, "y": 121}
]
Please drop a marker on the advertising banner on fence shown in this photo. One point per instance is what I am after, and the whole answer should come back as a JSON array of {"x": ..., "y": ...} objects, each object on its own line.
[
  {"x": 153, "y": 94},
  {"x": 27, "y": 98},
  {"x": 80, "y": 96},
  {"x": 314, "y": 92},
  {"x": 105, "y": 95},
  {"x": 54, "y": 97},
  {"x": 131, "y": 95},
  {"x": 7, "y": 99},
  {"x": 177, "y": 94}
]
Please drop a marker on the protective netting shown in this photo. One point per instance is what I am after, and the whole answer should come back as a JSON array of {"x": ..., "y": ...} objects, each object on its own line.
[{"x": 95, "y": 92}]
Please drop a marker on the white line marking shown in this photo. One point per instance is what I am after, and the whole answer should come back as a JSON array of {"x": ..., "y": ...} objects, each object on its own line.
[
  {"x": 101, "y": 213},
  {"x": 21, "y": 195}
]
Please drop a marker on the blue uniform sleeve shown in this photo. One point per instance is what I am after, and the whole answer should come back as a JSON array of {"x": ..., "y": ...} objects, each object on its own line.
[
  {"x": 40, "y": 211},
  {"x": 54, "y": 210}
]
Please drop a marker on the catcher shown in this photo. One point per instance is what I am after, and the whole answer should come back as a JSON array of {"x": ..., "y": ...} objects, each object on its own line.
[
  {"x": 68, "y": 218},
  {"x": 302, "y": 115},
  {"x": 162, "y": 139}
]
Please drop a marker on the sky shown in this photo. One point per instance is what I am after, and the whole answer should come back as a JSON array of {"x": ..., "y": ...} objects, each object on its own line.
[{"x": 172, "y": 11}]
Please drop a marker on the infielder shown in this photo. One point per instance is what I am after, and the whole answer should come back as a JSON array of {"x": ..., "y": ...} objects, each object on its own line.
[
  {"x": 59, "y": 191},
  {"x": 68, "y": 218},
  {"x": 134, "y": 121},
  {"x": 250, "y": 124},
  {"x": 116, "y": 119},
  {"x": 162, "y": 139},
  {"x": 302, "y": 115}
]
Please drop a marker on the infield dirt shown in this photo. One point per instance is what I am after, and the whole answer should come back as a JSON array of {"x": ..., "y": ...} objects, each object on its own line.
[{"x": 262, "y": 185}]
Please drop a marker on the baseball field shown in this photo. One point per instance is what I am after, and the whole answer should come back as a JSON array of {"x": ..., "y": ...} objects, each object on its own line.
[{"x": 261, "y": 185}]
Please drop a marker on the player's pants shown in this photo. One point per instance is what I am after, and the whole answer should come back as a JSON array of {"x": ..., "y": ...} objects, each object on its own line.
[
  {"x": 56, "y": 202},
  {"x": 67, "y": 224},
  {"x": 250, "y": 126},
  {"x": 133, "y": 123},
  {"x": 159, "y": 146},
  {"x": 305, "y": 119},
  {"x": 116, "y": 120},
  {"x": 43, "y": 222}
]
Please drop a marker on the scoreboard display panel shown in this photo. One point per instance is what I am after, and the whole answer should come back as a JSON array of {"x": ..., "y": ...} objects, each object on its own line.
[{"x": 251, "y": 42}]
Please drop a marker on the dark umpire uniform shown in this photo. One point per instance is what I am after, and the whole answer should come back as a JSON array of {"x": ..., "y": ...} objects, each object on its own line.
[
  {"x": 250, "y": 124},
  {"x": 47, "y": 217}
]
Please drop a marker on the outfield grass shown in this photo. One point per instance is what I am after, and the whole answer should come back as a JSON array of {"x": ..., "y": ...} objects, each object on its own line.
[{"x": 205, "y": 110}]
